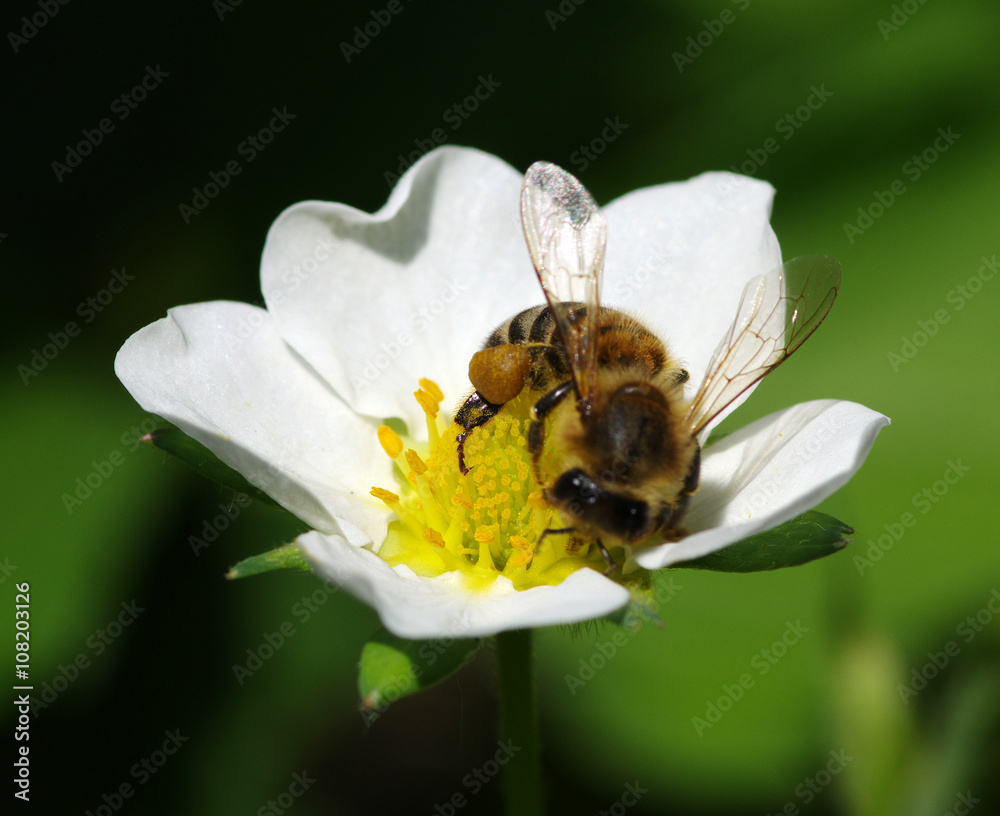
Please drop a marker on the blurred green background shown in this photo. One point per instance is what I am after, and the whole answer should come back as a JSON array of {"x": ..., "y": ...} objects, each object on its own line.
[{"x": 826, "y": 729}]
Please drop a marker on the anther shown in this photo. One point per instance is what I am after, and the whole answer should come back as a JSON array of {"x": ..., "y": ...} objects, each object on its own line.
[
  {"x": 390, "y": 441},
  {"x": 417, "y": 465},
  {"x": 461, "y": 500},
  {"x": 432, "y": 536},
  {"x": 387, "y": 496},
  {"x": 431, "y": 388},
  {"x": 427, "y": 402}
]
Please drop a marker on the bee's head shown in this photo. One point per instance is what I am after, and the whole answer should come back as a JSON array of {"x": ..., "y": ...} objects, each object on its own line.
[{"x": 600, "y": 510}]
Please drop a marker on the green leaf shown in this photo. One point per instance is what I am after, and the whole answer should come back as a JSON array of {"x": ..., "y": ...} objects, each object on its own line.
[
  {"x": 392, "y": 667},
  {"x": 195, "y": 455},
  {"x": 805, "y": 538},
  {"x": 286, "y": 557}
]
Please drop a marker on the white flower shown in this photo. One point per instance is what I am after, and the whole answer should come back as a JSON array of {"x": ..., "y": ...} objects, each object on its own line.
[{"x": 359, "y": 306}]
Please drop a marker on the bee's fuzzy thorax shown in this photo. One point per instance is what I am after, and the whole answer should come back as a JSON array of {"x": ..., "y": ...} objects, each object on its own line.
[{"x": 658, "y": 465}]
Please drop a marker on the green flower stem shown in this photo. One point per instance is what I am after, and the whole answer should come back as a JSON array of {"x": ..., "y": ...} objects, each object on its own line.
[{"x": 519, "y": 723}]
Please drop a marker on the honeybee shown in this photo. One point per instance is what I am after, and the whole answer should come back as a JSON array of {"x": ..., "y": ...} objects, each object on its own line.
[{"x": 611, "y": 411}]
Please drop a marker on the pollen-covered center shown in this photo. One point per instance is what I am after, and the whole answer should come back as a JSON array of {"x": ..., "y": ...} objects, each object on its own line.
[{"x": 488, "y": 522}]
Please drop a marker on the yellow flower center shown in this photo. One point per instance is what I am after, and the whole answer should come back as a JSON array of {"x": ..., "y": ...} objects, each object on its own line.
[{"x": 485, "y": 523}]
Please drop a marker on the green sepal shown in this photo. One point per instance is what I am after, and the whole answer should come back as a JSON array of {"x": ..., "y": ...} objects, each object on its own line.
[
  {"x": 634, "y": 615},
  {"x": 805, "y": 538},
  {"x": 196, "y": 456},
  {"x": 287, "y": 556},
  {"x": 642, "y": 606},
  {"x": 392, "y": 667}
]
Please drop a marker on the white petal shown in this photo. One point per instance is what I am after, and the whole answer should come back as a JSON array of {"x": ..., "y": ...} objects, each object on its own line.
[
  {"x": 375, "y": 302},
  {"x": 679, "y": 255},
  {"x": 223, "y": 375},
  {"x": 415, "y": 607},
  {"x": 771, "y": 471}
]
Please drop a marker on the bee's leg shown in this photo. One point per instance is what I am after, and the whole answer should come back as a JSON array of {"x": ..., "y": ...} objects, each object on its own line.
[
  {"x": 694, "y": 473},
  {"x": 553, "y": 531},
  {"x": 545, "y": 406},
  {"x": 612, "y": 566},
  {"x": 690, "y": 486},
  {"x": 670, "y": 515},
  {"x": 475, "y": 411}
]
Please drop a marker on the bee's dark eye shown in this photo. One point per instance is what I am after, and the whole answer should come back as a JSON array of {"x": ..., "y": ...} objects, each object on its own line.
[{"x": 616, "y": 514}]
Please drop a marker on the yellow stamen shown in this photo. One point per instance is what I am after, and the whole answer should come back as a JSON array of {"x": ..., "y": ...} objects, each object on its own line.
[
  {"x": 461, "y": 500},
  {"x": 417, "y": 465},
  {"x": 430, "y": 403},
  {"x": 427, "y": 402},
  {"x": 520, "y": 543},
  {"x": 486, "y": 522},
  {"x": 432, "y": 536},
  {"x": 537, "y": 500},
  {"x": 387, "y": 496},
  {"x": 432, "y": 388},
  {"x": 521, "y": 558},
  {"x": 390, "y": 441},
  {"x": 524, "y": 552}
]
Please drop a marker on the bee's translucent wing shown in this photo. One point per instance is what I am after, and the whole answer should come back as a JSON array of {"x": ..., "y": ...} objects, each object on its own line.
[
  {"x": 566, "y": 235},
  {"x": 777, "y": 312}
]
